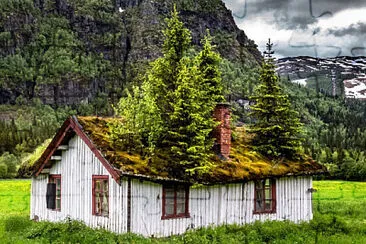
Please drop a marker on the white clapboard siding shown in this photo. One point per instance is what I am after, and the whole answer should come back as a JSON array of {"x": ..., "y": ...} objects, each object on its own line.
[
  {"x": 77, "y": 166},
  {"x": 208, "y": 205}
]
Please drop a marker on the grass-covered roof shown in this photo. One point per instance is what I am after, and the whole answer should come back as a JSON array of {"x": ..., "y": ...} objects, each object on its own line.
[{"x": 244, "y": 164}]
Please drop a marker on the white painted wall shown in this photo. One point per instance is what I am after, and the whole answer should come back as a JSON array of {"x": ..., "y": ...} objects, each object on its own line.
[
  {"x": 208, "y": 205},
  {"x": 76, "y": 168},
  {"x": 217, "y": 205}
]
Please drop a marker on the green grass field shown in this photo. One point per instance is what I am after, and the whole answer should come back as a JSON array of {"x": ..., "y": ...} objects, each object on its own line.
[
  {"x": 341, "y": 198},
  {"x": 339, "y": 217},
  {"x": 14, "y": 197}
]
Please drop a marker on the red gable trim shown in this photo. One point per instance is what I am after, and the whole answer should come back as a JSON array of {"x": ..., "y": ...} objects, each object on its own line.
[
  {"x": 70, "y": 123},
  {"x": 52, "y": 146}
]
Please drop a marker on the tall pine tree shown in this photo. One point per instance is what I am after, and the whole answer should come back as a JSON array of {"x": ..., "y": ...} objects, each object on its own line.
[{"x": 277, "y": 130}]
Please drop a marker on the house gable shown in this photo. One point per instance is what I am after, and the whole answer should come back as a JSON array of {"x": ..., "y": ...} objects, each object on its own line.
[{"x": 68, "y": 130}]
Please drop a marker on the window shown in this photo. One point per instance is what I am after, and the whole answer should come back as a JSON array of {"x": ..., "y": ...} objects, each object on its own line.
[
  {"x": 53, "y": 196},
  {"x": 265, "y": 196},
  {"x": 175, "y": 201},
  {"x": 100, "y": 195}
]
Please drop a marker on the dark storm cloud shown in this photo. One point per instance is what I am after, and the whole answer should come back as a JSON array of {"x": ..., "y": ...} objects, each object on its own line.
[
  {"x": 354, "y": 29},
  {"x": 312, "y": 8},
  {"x": 290, "y": 22},
  {"x": 335, "y": 6}
]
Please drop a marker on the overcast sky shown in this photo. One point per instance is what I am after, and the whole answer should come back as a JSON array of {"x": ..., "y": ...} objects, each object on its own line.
[{"x": 318, "y": 28}]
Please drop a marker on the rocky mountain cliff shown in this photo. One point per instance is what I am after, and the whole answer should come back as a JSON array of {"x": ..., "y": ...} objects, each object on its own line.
[{"x": 72, "y": 51}]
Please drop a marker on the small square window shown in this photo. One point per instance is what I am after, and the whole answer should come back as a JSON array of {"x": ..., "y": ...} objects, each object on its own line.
[{"x": 175, "y": 201}]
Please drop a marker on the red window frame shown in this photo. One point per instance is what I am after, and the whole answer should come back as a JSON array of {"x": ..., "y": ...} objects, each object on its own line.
[
  {"x": 53, "y": 179},
  {"x": 267, "y": 189},
  {"x": 175, "y": 189},
  {"x": 105, "y": 180}
]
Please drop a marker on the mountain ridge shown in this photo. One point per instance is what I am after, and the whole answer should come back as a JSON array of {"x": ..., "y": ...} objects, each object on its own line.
[
  {"x": 336, "y": 76},
  {"x": 114, "y": 40}
]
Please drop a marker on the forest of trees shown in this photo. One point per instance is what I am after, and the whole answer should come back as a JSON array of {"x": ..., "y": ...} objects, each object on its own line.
[{"x": 334, "y": 128}]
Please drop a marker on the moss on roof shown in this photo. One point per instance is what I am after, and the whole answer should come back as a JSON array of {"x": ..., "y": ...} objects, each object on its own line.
[
  {"x": 29, "y": 161},
  {"x": 244, "y": 164}
]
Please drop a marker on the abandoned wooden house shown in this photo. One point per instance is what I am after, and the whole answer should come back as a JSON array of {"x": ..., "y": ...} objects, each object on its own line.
[{"x": 82, "y": 176}]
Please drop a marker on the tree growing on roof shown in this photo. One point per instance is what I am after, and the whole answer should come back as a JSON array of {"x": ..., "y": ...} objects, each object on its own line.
[
  {"x": 277, "y": 130},
  {"x": 173, "y": 108}
]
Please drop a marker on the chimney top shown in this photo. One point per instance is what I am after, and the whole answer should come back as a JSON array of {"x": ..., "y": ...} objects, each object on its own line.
[{"x": 222, "y": 132}]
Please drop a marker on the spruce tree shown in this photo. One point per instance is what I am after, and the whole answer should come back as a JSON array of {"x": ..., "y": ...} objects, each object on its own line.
[
  {"x": 277, "y": 129},
  {"x": 199, "y": 89},
  {"x": 176, "y": 102},
  {"x": 208, "y": 63}
]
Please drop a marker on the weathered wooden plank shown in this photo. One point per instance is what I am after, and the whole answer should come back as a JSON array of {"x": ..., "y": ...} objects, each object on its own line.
[{"x": 63, "y": 147}]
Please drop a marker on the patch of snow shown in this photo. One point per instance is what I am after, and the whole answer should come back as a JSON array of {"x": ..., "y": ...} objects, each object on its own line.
[
  {"x": 345, "y": 66},
  {"x": 355, "y": 88},
  {"x": 300, "y": 81},
  {"x": 311, "y": 67}
]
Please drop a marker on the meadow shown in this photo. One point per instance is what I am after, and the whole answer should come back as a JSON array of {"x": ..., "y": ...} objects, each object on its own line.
[{"x": 339, "y": 217}]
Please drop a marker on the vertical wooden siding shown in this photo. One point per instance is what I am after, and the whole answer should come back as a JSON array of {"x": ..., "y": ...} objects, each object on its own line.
[
  {"x": 77, "y": 166},
  {"x": 217, "y": 205}
]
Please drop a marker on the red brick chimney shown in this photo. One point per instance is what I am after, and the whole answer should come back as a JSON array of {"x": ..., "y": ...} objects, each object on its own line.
[{"x": 222, "y": 132}]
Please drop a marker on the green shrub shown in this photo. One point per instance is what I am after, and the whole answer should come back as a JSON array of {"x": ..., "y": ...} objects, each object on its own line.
[
  {"x": 17, "y": 223},
  {"x": 70, "y": 231},
  {"x": 3, "y": 170},
  {"x": 330, "y": 225}
]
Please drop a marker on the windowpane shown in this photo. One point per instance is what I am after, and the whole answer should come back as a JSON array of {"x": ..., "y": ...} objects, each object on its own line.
[
  {"x": 105, "y": 185},
  {"x": 268, "y": 204},
  {"x": 181, "y": 194},
  {"x": 58, "y": 203},
  {"x": 181, "y": 207},
  {"x": 105, "y": 205},
  {"x": 169, "y": 193},
  {"x": 259, "y": 195},
  {"x": 259, "y": 205},
  {"x": 259, "y": 185},
  {"x": 169, "y": 201},
  {"x": 181, "y": 200},
  {"x": 98, "y": 205},
  {"x": 267, "y": 183},
  {"x": 169, "y": 208},
  {"x": 268, "y": 193}
]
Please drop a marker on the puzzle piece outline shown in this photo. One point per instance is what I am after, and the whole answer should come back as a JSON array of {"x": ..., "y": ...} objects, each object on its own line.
[{"x": 312, "y": 14}]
